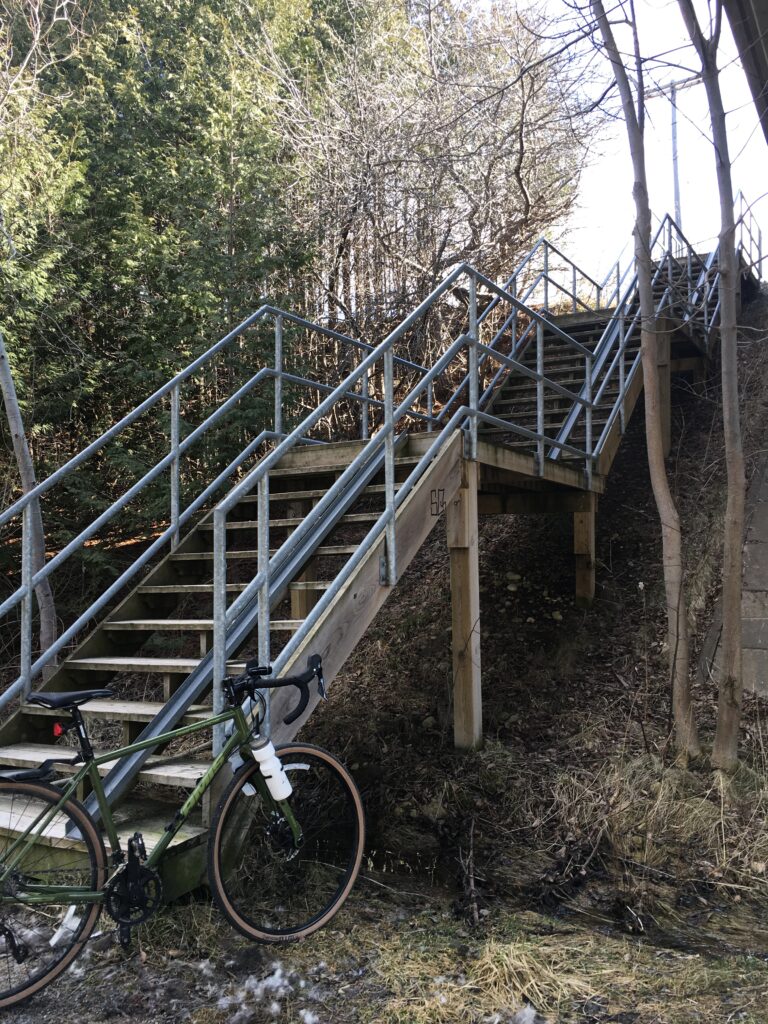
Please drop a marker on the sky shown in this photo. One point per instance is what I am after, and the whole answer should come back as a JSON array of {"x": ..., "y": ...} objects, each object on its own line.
[{"x": 603, "y": 222}]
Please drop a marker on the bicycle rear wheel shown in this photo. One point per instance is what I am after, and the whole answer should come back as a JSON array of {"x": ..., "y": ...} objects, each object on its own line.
[
  {"x": 268, "y": 887},
  {"x": 41, "y": 933}
]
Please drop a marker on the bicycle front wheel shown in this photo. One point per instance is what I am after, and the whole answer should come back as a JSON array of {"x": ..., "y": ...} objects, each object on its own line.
[
  {"x": 270, "y": 887},
  {"x": 45, "y": 913}
]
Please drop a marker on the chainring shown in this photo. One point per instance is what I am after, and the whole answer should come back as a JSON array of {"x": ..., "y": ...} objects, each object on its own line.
[{"x": 134, "y": 901}]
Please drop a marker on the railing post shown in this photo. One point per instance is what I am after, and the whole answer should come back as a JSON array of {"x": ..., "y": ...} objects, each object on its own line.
[
  {"x": 175, "y": 438},
  {"x": 689, "y": 296},
  {"x": 430, "y": 405},
  {"x": 622, "y": 372},
  {"x": 513, "y": 292},
  {"x": 546, "y": 277},
  {"x": 364, "y": 428},
  {"x": 278, "y": 375},
  {"x": 618, "y": 281},
  {"x": 26, "y": 604},
  {"x": 219, "y": 621},
  {"x": 588, "y": 415},
  {"x": 573, "y": 287},
  {"x": 540, "y": 396},
  {"x": 474, "y": 373},
  {"x": 389, "y": 576},
  {"x": 598, "y": 295},
  {"x": 262, "y": 530}
]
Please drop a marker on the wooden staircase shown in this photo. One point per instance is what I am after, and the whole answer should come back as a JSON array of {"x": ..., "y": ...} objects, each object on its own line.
[{"x": 155, "y": 646}]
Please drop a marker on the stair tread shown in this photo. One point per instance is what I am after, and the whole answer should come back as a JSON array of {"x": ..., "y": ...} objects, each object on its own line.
[
  {"x": 184, "y": 625},
  {"x": 124, "y": 710},
  {"x": 310, "y": 585},
  {"x": 252, "y": 524},
  {"x": 138, "y": 664},
  {"x": 184, "y": 773},
  {"x": 336, "y": 467},
  {"x": 317, "y": 492},
  {"x": 251, "y": 553},
  {"x": 188, "y": 588},
  {"x": 129, "y": 818}
]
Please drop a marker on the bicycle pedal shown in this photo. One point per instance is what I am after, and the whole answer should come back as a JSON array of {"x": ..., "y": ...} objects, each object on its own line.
[{"x": 124, "y": 936}]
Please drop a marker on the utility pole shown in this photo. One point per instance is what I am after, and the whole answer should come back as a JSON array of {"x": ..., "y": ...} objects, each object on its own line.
[{"x": 673, "y": 88}]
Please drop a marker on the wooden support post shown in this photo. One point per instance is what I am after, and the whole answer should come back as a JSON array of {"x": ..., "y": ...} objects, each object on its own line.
[
  {"x": 303, "y": 601},
  {"x": 584, "y": 549},
  {"x": 465, "y": 611},
  {"x": 664, "y": 328}
]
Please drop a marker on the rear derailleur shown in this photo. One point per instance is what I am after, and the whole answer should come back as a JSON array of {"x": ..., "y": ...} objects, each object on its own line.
[{"x": 134, "y": 893}]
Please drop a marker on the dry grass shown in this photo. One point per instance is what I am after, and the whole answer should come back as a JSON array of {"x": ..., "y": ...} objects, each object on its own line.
[{"x": 433, "y": 986}]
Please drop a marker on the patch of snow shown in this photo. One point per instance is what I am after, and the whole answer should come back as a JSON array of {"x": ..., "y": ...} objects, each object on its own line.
[
  {"x": 527, "y": 1016},
  {"x": 307, "y": 1017}
]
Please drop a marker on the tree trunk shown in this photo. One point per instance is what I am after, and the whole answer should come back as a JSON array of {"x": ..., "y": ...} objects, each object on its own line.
[
  {"x": 686, "y": 733},
  {"x": 725, "y": 752},
  {"x": 45, "y": 602}
]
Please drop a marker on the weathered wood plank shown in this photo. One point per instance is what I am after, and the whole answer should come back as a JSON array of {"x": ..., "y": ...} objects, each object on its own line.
[{"x": 461, "y": 529}]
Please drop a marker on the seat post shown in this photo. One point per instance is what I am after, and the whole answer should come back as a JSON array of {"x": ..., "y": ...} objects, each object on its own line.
[{"x": 85, "y": 744}]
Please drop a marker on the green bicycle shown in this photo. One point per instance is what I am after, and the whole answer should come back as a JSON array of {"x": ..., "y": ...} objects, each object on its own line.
[{"x": 284, "y": 849}]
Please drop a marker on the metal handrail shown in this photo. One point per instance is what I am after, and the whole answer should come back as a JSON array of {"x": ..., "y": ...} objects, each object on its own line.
[{"x": 23, "y": 595}]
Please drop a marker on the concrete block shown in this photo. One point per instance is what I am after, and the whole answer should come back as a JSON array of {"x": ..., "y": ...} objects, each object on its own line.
[
  {"x": 754, "y": 604},
  {"x": 754, "y": 634},
  {"x": 754, "y": 671},
  {"x": 756, "y": 566}
]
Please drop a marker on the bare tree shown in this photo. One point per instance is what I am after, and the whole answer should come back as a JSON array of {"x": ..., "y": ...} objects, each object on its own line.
[
  {"x": 633, "y": 106},
  {"x": 725, "y": 750},
  {"x": 433, "y": 140}
]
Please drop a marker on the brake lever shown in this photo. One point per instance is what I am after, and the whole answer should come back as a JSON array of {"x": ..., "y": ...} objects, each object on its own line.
[{"x": 316, "y": 663}]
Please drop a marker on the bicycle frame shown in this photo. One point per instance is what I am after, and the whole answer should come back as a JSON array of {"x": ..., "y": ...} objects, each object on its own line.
[{"x": 39, "y": 893}]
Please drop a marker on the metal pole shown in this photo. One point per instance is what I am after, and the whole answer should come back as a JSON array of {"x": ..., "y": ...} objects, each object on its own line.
[
  {"x": 364, "y": 429},
  {"x": 573, "y": 286},
  {"x": 26, "y": 605},
  {"x": 175, "y": 431},
  {"x": 540, "y": 395},
  {"x": 513, "y": 292},
  {"x": 474, "y": 373},
  {"x": 430, "y": 406},
  {"x": 263, "y": 567},
  {"x": 622, "y": 373},
  {"x": 546, "y": 276},
  {"x": 390, "y": 575},
  {"x": 219, "y": 621},
  {"x": 675, "y": 171},
  {"x": 278, "y": 375},
  {"x": 588, "y": 412}
]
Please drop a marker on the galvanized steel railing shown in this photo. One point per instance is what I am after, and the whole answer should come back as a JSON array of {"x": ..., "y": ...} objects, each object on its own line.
[{"x": 275, "y": 376}]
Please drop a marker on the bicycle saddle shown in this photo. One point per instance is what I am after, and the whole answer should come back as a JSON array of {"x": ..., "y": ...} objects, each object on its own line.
[{"x": 65, "y": 701}]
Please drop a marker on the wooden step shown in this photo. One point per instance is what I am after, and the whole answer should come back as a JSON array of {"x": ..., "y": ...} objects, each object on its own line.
[
  {"x": 123, "y": 711},
  {"x": 184, "y": 773},
  {"x": 188, "y": 588},
  {"x": 252, "y": 524},
  {"x": 336, "y": 467},
  {"x": 172, "y": 666},
  {"x": 187, "y": 625},
  {"x": 305, "y": 495},
  {"x": 248, "y": 554},
  {"x": 147, "y": 817},
  {"x": 310, "y": 585}
]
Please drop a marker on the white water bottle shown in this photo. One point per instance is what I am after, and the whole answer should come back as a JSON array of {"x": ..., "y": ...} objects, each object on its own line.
[{"x": 278, "y": 782}]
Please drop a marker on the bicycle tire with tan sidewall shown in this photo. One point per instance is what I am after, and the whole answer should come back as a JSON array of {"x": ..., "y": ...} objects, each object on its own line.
[
  {"x": 223, "y": 810},
  {"x": 98, "y": 857}
]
